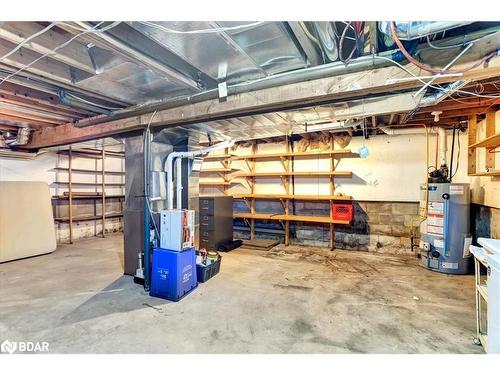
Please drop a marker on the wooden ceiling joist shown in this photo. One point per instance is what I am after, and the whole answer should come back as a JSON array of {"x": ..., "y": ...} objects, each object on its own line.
[{"x": 303, "y": 94}]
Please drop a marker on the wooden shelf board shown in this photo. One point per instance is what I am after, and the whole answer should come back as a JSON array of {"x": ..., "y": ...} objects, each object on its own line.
[
  {"x": 294, "y": 197},
  {"x": 91, "y": 197},
  {"x": 90, "y": 155},
  {"x": 108, "y": 184},
  {"x": 491, "y": 141},
  {"x": 336, "y": 153},
  {"x": 78, "y": 170},
  {"x": 209, "y": 183},
  {"x": 492, "y": 174},
  {"x": 283, "y": 217},
  {"x": 218, "y": 157},
  {"x": 217, "y": 170},
  {"x": 298, "y": 174},
  {"x": 87, "y": 218}
]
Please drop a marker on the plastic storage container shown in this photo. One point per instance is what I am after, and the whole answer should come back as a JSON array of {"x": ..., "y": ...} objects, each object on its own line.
[
  {"x": 205, "y": 273},
  {"x": 173, "y": 274},
  {"x": 342, "y": 211}
]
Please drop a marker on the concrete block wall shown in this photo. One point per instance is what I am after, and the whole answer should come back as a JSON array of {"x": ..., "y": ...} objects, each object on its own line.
[
  {"x": 485, "y": 221},
  {"x": 377, "y": 226}
]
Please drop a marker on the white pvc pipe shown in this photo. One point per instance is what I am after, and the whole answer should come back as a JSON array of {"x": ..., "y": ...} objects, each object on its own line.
[
  {"x": 407, "y": 131},
  {"x": 178, "y": 180},
  {"x": 442, "y": 146},
  {"x": 189, "y": 155},
  {"x": 435, "y": 129}
]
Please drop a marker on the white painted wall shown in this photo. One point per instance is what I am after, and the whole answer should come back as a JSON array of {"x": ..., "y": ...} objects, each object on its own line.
[
  {"x": 42, "y": 169},
  {"x": 393, "y": 170}
]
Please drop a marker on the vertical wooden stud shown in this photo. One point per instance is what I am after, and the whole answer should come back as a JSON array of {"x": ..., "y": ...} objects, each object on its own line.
[
  {"x": 472, "y": 138},
  {"x": 490, "y": 130}
]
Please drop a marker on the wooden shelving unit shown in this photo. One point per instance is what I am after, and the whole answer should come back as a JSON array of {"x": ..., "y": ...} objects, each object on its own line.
[
  {"x": 334, "y": 153},
  {"x": 70, "y": 196},
  {"x": 87, "y": 197},
  {"x": 295, "y": 197},
  {"x": 298, "y": 174},
  {"x": 88, "y": 218},
  {"x": 90, "y": 171},
  {"x": 222, "y": 171},
  {"x": 490, "y": 143},
  {"x": 215, "y": 183},
  {"x": 283, "y": 217},
  {"x": 251, "y": 176}
]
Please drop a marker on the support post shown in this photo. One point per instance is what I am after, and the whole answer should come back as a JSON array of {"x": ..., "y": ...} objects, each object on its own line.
[
  {"x": 252, "y": 209},
  {"x": 472, "y": 137},
  {"x": 287, "y": 190},
  {"x": 490, "y": 130},
  {"x": 70, "y": 193},
  {"x": 332, "y": 191},
  {"x": 146, "y": 224},
  {"x": 103, "y": 187}
]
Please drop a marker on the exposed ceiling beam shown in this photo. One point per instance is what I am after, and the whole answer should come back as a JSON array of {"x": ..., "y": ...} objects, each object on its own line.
[
  {"x": 27, "y": 95},
  {"x": 47, "y": 67},
  {"x": 464, "y": 112},
  {"x": 74, "y": 54},
  {"x": 50, "y": 86},
  {"x": 20, "y": 121},
  {"x": 132, "y": 53},
  {"x": 462, "y": 103},
  {"x": 37, "y": 105},
  {"x": 266, "y": 100}
]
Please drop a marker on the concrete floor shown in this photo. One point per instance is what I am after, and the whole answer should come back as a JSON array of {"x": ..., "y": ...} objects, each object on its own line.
[{"x": 278, "y": 302}]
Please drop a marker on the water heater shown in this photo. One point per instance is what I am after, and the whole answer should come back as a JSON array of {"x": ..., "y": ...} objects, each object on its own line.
[{"x": 445, "y": 233}]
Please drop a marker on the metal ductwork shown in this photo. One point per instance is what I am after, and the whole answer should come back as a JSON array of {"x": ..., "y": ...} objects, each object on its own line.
[
  {"x": 418, "y": 29},
  {"x": 21, "y": 139},
  {"x": 327, "y": 40},
  {"x": 440, "y": 95},
  {"x": 2, "y": 142},
  {"x": 295, "y": 76}
]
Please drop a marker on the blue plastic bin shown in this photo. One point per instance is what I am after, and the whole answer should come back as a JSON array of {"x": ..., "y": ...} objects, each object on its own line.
[{"x": 173, "y": 274}]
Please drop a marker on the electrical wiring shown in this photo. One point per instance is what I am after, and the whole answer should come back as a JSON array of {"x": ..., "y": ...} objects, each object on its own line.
[
  {"x": 458, "y": 157},
  {"x": 428, "y": 67},
  {"x": 201, "y": 31},
  {"x": 341, "y": 42},
  {"x": 93, "y": 30},
  {"x": 433, "y": 86},
  {"x": 459, "y": 44},
  {"x": 31, "y": 37}
]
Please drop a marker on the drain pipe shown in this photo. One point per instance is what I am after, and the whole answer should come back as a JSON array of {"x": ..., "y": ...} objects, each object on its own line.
[
  {"x": 443, "y": 147},
  {"x": 418, "y": 29},
  {"x": 178, "y": 180},
  {"x": 189, "y": 155},
  {"x": 408, "y": 131}
]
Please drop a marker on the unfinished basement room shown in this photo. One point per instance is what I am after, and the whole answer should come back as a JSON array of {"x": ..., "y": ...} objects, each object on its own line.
[{"x": 249, "y": 187}]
